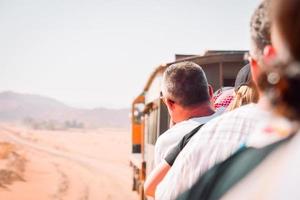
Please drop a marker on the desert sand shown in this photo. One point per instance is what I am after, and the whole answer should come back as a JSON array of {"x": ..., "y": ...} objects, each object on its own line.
[{"x": 64, "y": 165}]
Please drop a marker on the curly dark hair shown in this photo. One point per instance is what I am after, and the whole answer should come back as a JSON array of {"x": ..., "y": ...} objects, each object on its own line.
[{"x": 260, "y": 27}]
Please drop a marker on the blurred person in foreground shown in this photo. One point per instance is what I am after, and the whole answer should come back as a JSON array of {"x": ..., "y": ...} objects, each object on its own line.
[
  {"x": 221, "y": 137},
  {"x": 269, "y": 167}
]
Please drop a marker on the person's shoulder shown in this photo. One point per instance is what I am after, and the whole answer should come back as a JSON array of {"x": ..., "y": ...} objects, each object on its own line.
[
  {"x": 176, "y": 132},
  {"x": 243, "y": 110},
  {"x": 161, "y": 138},
  {"x": 250, "y": 106},
  {"x": 240, "y": 113},
  {"x": 186, "y": 125},
  {"x": 168, "y": 133}
]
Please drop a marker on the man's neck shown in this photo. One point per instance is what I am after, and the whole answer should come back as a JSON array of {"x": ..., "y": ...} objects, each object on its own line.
[{"x": 197, "y": 111}]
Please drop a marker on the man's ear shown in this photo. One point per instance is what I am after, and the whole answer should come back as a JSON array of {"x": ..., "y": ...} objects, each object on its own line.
[
  {"x": 210, "y": 91},
  {"x": 269, "y": 53},
  {"x": 255, "y": 69},
  {"x": 170, "y": 104}
]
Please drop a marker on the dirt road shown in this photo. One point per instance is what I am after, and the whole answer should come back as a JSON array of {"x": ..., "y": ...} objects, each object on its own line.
[{"x": 66, "y": 165}]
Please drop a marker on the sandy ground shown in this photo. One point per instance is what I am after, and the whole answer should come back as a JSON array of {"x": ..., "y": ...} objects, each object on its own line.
[{"x": 70, "y": 165}]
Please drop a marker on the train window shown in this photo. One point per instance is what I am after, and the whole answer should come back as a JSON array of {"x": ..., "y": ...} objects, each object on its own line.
[
  {"x": 152, "y": 126},
  {"x": 155, "y": 127},
  {"x": 164, "y": 118}
]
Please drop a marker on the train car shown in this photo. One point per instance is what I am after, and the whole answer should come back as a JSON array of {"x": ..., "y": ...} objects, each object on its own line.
[{"x": 150, "y": 117}]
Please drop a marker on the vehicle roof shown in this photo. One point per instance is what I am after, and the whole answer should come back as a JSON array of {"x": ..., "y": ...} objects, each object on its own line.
[{"x": 209, "y": 57}]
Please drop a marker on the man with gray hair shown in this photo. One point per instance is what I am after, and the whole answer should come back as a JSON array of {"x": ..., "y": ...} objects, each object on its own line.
[{"x": 187, "y": 95}]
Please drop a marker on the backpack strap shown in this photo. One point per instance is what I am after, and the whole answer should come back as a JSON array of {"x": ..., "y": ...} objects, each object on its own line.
[
  {"x": 223, "y": 176},
  {"x": 174, "y": 152}
]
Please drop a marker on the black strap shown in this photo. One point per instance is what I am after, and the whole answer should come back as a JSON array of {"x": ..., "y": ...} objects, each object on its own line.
[
  {"x": 188, "y": 136},
  {"x": 174, "y": 152}
]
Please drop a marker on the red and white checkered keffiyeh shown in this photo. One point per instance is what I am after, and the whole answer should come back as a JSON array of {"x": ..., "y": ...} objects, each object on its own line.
[{"x": 223, "y": 98}]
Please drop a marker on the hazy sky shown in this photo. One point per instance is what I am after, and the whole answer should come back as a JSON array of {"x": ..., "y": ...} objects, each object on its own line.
[{"x": 90, "y": 53}]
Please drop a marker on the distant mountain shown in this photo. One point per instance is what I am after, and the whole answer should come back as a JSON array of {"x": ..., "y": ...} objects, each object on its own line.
[{"x": 24, "y": 107}]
